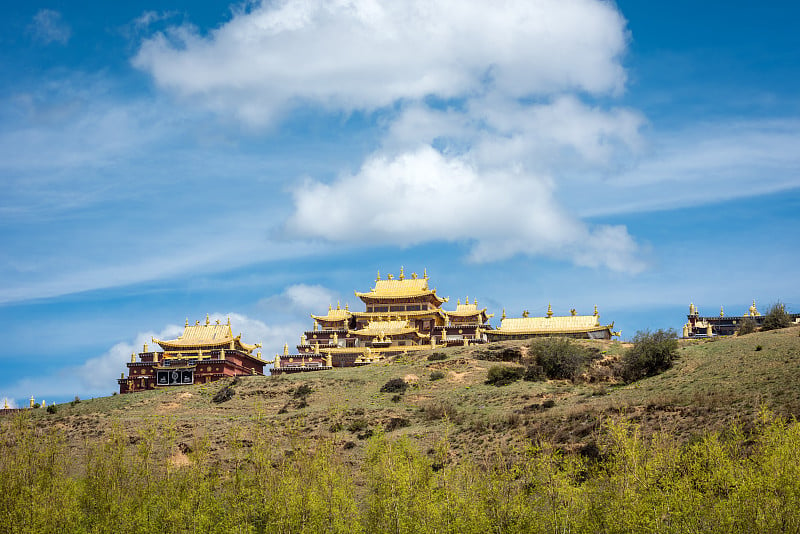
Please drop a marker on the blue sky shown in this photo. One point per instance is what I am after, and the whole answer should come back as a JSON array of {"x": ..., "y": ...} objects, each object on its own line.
[{"x": 164, "y": 160}]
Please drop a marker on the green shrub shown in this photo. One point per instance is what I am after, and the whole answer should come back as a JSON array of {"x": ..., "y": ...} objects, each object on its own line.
[
  {"x": 652, "y": 353},
  {"x": 748, "y": 326},
  {"x": 357, "y": 425},
  {"x": 395, "y": 385},
  {"x": 436, "y": 375},
  {"x": 303, "y": 390},
  {"x": 560, "y": 357},
  {"x": 501, "y": 375},
  {"x": 759, "y": 348},
  {"x": 776, "y": 317},
  {"x": 437, "y": 356},
  {"x": 52, "y": 409}
]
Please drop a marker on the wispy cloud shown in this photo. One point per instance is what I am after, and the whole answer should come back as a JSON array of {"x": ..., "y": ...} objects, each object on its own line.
[{"x": 49, "y": 27}]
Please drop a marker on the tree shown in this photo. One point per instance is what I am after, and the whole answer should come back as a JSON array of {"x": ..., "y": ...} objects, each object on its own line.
[
  {"x": 652, "y": 353},
  {"x": 776, "y": 317}
]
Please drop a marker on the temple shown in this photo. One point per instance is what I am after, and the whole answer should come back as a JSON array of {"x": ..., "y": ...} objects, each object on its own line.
[
  {"x": 573, "y": 325},
  {"x": 721, "y": 325},
  {"x": 401, "y": 315},
  {"x": 203, "y": 353}
]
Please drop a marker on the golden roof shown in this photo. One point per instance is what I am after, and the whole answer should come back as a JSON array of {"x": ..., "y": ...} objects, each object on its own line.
[
  {"x": 400, "y": 287},
  {"x": 386, "y": 328},
  {"x": 337, "y": 314},
  {"x": 205, "y": 335},
  {"x": 467, "y": 310},
  {"x": 554, "y": 324}
]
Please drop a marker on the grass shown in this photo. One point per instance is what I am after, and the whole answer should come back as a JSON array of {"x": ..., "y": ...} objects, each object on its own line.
[{"x": 712, "y": 384}]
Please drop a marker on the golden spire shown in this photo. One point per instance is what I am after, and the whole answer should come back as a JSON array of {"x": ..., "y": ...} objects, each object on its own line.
[
  {"x": 549, "y": 310},
  {"x": 476, "y": 301},
  {"x": 458, "y": 302},
  {"x": 402, "y": 274},
  {"x": 466, "y": 300},
  {"x": 133, "y": 357},
  {"x": 208, "y": 321},
  {"x": 721, "y": 312},
  {"x": 338, "y": 304},
  {"x": 145, "y": 347},
  {"x": 425, "y": 274},
  {"x": 330, "y": 307},
  {"x": 595, "y": 311},
  {"x": 504, "y": 314},
  {"x": 346, "y": 307},
  {"x": 378, "y": 279},
  {"x": 285, "y": 349},
  {"x": 413, "y": 276},
  {"x": 389, "y": 276},
  {"x": 229, "y": 320},
  {"x": 187, "y": 321}
]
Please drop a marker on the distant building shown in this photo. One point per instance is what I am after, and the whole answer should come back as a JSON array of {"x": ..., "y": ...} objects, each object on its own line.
[
  {"x": 203, "y": 353},
  {"x": 573, "y": 325},
  {"x": 721, "y": 325},
  {"x": 401, "y": 315}
]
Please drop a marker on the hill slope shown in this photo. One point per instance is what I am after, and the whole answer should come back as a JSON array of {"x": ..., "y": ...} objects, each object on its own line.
[{"x": 713, "y": 384}]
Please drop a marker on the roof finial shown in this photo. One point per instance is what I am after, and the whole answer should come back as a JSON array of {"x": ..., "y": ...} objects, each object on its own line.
[
  {"x": 133, "y": 357},
  {"x": 330, "y": 307},
  {"x": 285, "y": 349},
  {"x": 476, "y": 301},
  {"x": 525, "y": 314},
  {"x": 338, "y": 304},
  {"x": 425, "y": 274},
  {"x": 573, "y": 312},
  {"x": 346, "y": 307},
  {"x": 504, "y": 314},
  {"x": 549, "y": 310},
  {"x": 721, "y": 311},
  {"x": 187, "y": 321},
  {"x": 458, "y": 302},
  {"x": 402, "y": 274},
  {"x": 595, "y": 311},
  {"x": 208, "y": 321},
  {"x": 466, "y": 299},
  {"x": 378, "y": 279},
  {"x": 413, "y": 276},
  {"x": 229, "y": 320}
]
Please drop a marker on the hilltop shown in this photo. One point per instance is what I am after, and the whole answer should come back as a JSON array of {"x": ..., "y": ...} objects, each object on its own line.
[{"x": 715, "y": 383}]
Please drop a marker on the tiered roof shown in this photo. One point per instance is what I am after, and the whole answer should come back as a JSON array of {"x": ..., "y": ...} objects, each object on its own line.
[
  {"x": 386, "y": 328},
  {"x": 469, "y": 310},
  {"x": 335, "y": 315},
  {"x": 401, "y": 288},
  {"x": 206, "y": 336}
]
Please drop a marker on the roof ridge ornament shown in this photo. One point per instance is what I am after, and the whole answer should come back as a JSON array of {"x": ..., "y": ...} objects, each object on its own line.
[
  {"x": 595, "y": 311},
  {"x": 402, "y": 274},
  {"x": 378, "y": 278},
  {"x": 208, "y": 321},
  {"x": 549, "y": 310}
]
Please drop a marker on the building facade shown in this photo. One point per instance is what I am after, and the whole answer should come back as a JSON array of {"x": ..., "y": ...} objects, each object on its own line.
[
  {"x": 401, "y": 315},
  {"x": 698, "y": 326},
  {"x": 203, "y": 353}
]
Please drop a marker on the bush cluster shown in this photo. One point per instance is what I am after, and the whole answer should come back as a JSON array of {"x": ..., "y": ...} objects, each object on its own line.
[
  {"x": 395, "y": 385},
  {"x": 776, "y": 317},
  {"x": 501, "y": 375},
  {"x": 436, "y": 375},
  {"x": 437, "y": 356},
  {"x": 735, "y": 482},
  {"x": 557, "y": 358},
  {"x": 652, "y": 353},
  {"x": 748, "y": 326}
]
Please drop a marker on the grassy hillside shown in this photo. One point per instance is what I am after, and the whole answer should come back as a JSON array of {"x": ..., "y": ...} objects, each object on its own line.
[{"x": 713, "y": 384}]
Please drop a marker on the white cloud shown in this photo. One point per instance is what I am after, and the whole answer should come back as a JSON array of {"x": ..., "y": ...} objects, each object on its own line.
[
  {"x": 309, "y": 297},
  {"x": 48, "y": 27},
  {"x": 424, "y": 196},
  {"x": 365, "y": 54}
]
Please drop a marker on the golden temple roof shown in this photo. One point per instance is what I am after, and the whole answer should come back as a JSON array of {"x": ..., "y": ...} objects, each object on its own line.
[
  {"x": 400, "y": 287},
  {"x": 386, "y": 328},
  {"x": 205, "y": 335},
  {"x": 467, "y": 310},
  {"x": 553, "y": 324},
  {"x": 337, "y": 314}
]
